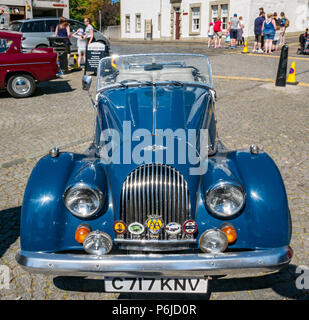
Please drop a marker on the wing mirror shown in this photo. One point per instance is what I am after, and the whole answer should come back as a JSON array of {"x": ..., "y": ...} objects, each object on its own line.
[{"x": 86, "y": 82}]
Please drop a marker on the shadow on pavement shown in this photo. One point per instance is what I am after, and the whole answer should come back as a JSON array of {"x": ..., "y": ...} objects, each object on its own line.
[
  {"x": 53, "y": 87},
  {"x": 283, "y": 283},
  {"x": 9, "y": 226},
  {"x": 49, "y": 87}
]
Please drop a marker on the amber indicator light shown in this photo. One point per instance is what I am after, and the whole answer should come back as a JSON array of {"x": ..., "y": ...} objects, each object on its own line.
[
  {"x": 81, "y": 232},
  {"x": 230, "y": 232}
]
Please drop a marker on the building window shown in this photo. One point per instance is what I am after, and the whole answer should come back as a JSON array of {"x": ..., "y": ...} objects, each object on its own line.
[
  {"x": 220, "y": 9},
  {"x": 195, "y": 19},
  {"x": 214, "y": 13},
  {"x": 225, "y": 16},
  {"x": 127, "y": 25},
  {"x": 138, "y": 23}
]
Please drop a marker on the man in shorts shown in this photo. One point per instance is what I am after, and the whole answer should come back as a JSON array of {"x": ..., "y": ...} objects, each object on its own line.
[
  {"x": 258, "y": 23},
  {"x": 233, "y": 34}
]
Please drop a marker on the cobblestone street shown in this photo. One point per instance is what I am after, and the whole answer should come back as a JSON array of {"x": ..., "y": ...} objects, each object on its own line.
[{"x": 248, "y": 111}]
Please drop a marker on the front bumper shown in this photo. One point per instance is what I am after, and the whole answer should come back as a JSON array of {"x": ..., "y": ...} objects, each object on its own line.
[{"x": 157, "y": 265}]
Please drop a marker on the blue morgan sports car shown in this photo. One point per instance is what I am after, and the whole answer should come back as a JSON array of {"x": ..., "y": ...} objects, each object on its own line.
[{"x": 157, "y": 203}]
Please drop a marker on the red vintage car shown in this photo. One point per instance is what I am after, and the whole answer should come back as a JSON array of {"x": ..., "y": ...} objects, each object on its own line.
[{"x": 20, "y": 71}]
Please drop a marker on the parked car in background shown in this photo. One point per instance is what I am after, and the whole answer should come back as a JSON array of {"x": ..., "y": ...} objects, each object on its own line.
[
  {"x": 36, "y": 31},
  {"x": 20, "y": 71},
  {"x": 135, "y": 208}
]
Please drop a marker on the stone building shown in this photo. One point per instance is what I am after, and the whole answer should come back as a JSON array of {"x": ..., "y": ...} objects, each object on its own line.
[
  {"x": 189, "y": 19},
  {"x": 24, "y": 9}
]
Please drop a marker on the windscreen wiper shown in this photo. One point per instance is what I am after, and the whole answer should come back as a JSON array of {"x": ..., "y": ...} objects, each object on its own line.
[{"x": 124, "y": 83}]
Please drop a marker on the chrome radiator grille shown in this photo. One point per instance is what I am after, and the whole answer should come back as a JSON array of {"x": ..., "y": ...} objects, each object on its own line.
[{"x": 155, "y": 189}]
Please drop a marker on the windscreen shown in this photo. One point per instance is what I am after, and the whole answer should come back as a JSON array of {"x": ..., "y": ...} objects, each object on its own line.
[
  {"x": 154, "y": 68},
  {"x": 15, "y": 26}
]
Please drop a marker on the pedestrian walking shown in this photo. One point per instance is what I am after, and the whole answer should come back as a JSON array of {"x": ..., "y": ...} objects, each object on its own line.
[
  {"x": 81, "y": 45},
  {"x": 284, "y": 24},
  {"x": 269, "y": 30},
  {"x": 63, "y": 31},
  {"x": 233, "y": 33},
  {"x": 210, "y": 34},
  {"x": 218, "y": 32},
  {"x": 240, "y": 32},
  {"x": 277, "y": 34},
  {"x": 258, "y": 24}
]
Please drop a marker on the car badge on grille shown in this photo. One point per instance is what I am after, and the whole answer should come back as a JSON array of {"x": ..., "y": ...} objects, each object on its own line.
[
  {"x": 120, "y": 227},
  {"x": 154, "y": 224},
  {"x": 189, "y": 227},
  {"x": 173, "y": 228},
  {"x": 136, "y": 228}
]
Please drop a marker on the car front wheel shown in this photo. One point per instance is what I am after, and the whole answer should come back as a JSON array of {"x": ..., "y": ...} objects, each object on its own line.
[{"x": 21, "y": 86}]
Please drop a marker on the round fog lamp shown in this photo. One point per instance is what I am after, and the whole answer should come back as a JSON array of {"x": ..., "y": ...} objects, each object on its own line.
[
  {"x": 213, "y": 241},
  {"x": 98, "y": 243}
]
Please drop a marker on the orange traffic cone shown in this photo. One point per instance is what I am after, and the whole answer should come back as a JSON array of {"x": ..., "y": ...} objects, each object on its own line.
[
  {"x": 292, "y": 78},
  {"x": 245, "y": 48}
]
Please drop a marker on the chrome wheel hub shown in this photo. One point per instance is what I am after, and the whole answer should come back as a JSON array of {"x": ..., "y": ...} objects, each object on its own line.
[{"x": 21, "y": 85}]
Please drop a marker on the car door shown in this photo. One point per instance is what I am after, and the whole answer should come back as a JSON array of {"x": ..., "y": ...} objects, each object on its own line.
[
  {"x": 34, "y": 34},
  {"x": 50, "y": 27}
]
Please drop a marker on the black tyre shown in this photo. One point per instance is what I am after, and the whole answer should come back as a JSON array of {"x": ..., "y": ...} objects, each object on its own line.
[{"x": 21, "y": 86}]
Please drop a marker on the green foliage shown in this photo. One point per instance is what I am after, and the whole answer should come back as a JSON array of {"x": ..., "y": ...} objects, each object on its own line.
[
  {"x": 78, "y": 9},
  {"x": 90, "y": 8}
]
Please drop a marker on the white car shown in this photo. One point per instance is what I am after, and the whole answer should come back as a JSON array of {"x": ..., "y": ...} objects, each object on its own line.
[{"x": 36, "y": 31}]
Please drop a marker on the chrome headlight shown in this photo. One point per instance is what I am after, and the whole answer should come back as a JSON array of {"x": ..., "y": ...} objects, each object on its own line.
[
  {"x": 225, "y": 199},
  {"x": 213, "y": 241},
  {"x": 83, "y": 201},
  {"x": 98, "y": 243}
]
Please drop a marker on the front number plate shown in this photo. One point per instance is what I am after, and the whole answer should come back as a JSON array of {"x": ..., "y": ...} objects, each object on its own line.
[{"x": 155, "y": 285}]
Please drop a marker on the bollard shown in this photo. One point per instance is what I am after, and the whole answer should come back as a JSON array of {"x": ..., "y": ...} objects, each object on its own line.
[{"x": 283, "y": 65}]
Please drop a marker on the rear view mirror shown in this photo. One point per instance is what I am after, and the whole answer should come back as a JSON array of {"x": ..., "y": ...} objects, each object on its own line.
[{"x": 86, "y": 82}]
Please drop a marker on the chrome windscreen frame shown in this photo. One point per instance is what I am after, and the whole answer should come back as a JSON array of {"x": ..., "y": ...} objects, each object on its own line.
[{"x": 115, "y": 85}]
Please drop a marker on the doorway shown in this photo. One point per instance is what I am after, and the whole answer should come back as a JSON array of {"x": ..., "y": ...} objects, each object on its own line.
[{"x": 177, "y": 23}]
